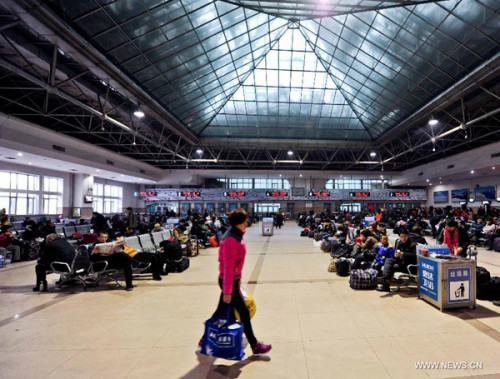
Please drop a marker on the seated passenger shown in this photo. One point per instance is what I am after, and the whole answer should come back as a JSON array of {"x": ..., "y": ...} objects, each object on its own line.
[
  {"x": 153, "y": 259},
  {"x": 405, "y": 255},
  {"x": 476, "y": 229},
  {"x": 157, "y": 228},
  {"x": 180, "y": 232},
  {"x": 116, "y": 259},
  {"x": 48, "y": 228},
  {"x": 489, "y": 232},
  {"x": 56, "y": 249},
  {"x": 384, "y": 251},
  {"x": 8, "y": 242},
  {"x": 367, "y": 254},
  {"x": 456, "y": 238}
]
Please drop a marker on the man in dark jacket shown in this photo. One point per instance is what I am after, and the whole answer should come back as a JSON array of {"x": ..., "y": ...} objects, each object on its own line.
[
  {"x": 56, "y": 249},
  {"x": 406, "y": 254}
]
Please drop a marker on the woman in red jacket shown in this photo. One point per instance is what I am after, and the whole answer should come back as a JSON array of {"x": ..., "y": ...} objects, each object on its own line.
[{"x": 232, "y": 253}]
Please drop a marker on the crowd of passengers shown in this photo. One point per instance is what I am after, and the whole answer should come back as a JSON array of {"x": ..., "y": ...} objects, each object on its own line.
[
  {"x": 458, "y": 228},
  {"x": 55, "y": 248}
]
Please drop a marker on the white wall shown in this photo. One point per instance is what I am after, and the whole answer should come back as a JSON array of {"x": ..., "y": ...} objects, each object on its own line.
[{"x": 474, "y": 181}]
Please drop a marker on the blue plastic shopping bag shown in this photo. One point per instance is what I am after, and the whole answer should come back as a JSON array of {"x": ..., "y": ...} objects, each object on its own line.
[{"x": 222, "y": 340}]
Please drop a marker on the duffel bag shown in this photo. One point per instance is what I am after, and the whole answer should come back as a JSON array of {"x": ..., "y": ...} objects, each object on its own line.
[
  {"x": 342, "y": 267},
  {"x": 363, "y": 279},
  {"x": 181, "y": 265},
  {"x": 325, "y": 246},
  {"x": 482, "y": 275},
  {"x": 495, "y": 288}
]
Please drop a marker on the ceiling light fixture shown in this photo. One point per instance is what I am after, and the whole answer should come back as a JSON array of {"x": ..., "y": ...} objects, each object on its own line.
[
  {"x": 427, "y": 180},
  {"x": 433, "y": 121},
  {"x": 300, "y": 175},
  {"x": 97, "y": 170},
  {"x": 138, "y": 112},
  {"x": 32, "y": 163},
  {"x": 199, "y": 151},
  {"x": 373, "y": 154},
  {"x": 290, "y": 152},
  {"x": 133, "y": 143},
  {"x": 493, "y": 168},
  {"x": 19, "y": 154},
  {"x": 472, "y": 171}
]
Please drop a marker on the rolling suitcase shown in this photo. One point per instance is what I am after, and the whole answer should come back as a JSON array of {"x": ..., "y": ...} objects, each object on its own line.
[{"x": 496, "y": 244}]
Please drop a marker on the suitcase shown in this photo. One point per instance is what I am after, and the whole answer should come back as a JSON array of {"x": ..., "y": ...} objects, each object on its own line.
[
  {"x": 496, "y": 244},
  {"x": 194, "y": 247}
]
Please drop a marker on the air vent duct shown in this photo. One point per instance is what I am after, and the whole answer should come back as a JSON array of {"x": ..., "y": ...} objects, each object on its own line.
[
  {"x": 59, "y": 148},
  {"x": 143, "y": 171},
  {"x": 496, "y": 155},
  {"x": 450, "y": 166},
  {"x": 111, "y": 163},
  {"x": 420, "y": 173}
]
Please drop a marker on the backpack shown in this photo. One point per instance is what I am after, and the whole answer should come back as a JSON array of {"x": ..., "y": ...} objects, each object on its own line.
[
  {"x": 342, "y": 267},
  {"x": 303, "y": 233},
  {"x": 363, "y": 279},
  {"x": 310, "y": 234}
]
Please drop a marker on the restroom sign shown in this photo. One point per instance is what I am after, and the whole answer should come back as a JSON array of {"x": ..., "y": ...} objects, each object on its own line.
[{"x": 459, "y": 284}]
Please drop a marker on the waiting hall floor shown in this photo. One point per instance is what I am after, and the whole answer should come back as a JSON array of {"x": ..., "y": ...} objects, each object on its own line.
[{"x": 319, "y": 327}]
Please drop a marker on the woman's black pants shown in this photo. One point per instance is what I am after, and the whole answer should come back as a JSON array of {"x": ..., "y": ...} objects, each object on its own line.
[{"x": 238, "y": 303}]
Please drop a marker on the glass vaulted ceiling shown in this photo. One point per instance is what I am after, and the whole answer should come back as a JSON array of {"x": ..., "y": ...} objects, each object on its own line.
[
  {"x": 288, "y": 95},
  {"x": 199, "y": 59},
  {"x": 308, "y": 9}
]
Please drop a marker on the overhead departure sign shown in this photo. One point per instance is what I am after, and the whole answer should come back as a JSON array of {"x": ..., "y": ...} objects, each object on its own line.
[
  {"x": 359, "y": 194},
  {"x": 147, "y": 193},
  {"x": 400, "y": 194},
  {"x": 276, "y": 193},
  {"x": 190, "y": 193},
  {"x": 235, "y": 194},
  {"x": 319, "y": 193}
]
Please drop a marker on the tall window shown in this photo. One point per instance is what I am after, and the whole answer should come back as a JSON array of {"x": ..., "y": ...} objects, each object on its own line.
[
  {"x": 107, "y": 198},
  {"x": 20, "y": 194},
  {"x": 260, "y": 183},
  {"x": 355, "y": 184}
]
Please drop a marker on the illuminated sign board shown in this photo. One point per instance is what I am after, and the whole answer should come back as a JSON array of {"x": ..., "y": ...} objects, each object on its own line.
[
  {"x": 319, "y": 193},
  {"x": 235, "y": 194},
  {"x": 189, "y": 193},
  {"x": 147, "y": 193},
  {"x": 400, "y": 194},
  {"x": 276, "y": 193},
  {"x": 359, "y": 194}
]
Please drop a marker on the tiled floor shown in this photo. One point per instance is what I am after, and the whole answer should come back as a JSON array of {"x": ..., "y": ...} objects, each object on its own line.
[{"x": 318, "y": 326}]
